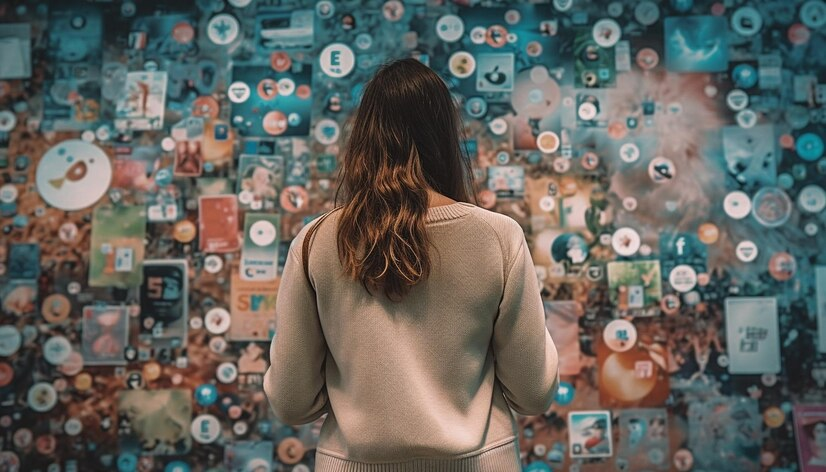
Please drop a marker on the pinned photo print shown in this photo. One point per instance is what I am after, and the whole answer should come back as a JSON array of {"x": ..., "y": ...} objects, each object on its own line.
[
  {"x": 810, "y": 432},
  {"x": 155, "y": 422},
  {"x": 694, "y": 43},
  {"x": 105, "y": 334},
  {"x": 589, "y": 434}
]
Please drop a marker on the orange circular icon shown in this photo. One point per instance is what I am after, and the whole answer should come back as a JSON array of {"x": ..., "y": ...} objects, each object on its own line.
[
  {"x": 206, "y": 106},
  {"x": 280, "y": 61},
  {"x": 302, "y": 91},
  {"x": 496, "y": 36},
  {"x": 267, "y": 89},
  {"x": 184, "y": 231},
  {"x": 275, "y": 122},
  {"x": 708, "y": 233},
  {"x": 183, "y": 32}
]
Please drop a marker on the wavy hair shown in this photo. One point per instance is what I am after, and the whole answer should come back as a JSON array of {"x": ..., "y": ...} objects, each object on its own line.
[{"x": 405, "y": 138}]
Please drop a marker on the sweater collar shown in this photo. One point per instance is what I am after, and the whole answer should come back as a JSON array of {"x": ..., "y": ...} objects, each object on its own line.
[{"x": 447, "y": 212}]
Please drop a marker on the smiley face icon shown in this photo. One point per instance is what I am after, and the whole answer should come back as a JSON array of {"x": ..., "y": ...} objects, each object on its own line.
[{"x": 73, "y": 175}]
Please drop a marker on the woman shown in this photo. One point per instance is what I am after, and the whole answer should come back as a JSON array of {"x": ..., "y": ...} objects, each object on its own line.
[{"x": 414, "y": 353}]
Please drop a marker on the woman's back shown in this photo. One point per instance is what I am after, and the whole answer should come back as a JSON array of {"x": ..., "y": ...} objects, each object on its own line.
[{"x": 424, "y": 377}]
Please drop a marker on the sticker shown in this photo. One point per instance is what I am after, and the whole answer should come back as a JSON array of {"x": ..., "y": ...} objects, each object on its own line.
[
  {"x": 294, "y": 199},
  {"x": 326, "y": 131},
  {"x": 746, "y": 251},
  {"x": 337, "y": 60},
  {"x": 450, "y": 28},
  {"x": 813, "y": 15},
  {"x": 260, "y": 179},
  {"x": 620, "y": 335},
  {"x": 218, "y": 223},
  {"x": 606, "y": 32},
  {"x": 547, "y": 142},
  {"x": 737, "y": 205},
  {"x": 811, "y": 199},
  {"x": 629, "y": 152},
  {"x": 105, "y": 334},
  {"x": 746, "y": 21},
  {"x": 213, "y": 263},
  {"x": 164, "y": 297},
  {"x": 73, "y": 175},
  {"x": 495, "y": 72},
  {"x": 142, "y": 104},
  {"x": 259, "y": 254},
  {"x": 643, "y": 443},
  {"x": 172, "y": 407},
  {"x": 635, "y": 286},
  {"x": 661, "y": 170},
  {"x": 647, "y": 12},
  {"x": 462, "y": 64},
  {"x": 226, "y": 372},
  {"x": 205, "y": 429},
  {"x": 752, "y": 335},
  {"x": 56, "y": 350},
  {"x": 223, "y": 29},
  {"x": 771, "y": 207},
  {"x": 737, "y": 100},
  {"x": 589, "y": 434},
  {"x": 8, "y": 120},
  {"x": 782, "y": 266},
  {"x": 6, "y": 376},
  {"x": 117, "y": 246},
  {"x": 10, "y": 340},
  {"x": 42, "y": 397},
  {"x": 252, "y": 308},
  {"x": 625, "y": 241},
  {"x": 683, "y": 278},
  {"x": 184, "y": 231},
  {"x": 670, "y": 304},
  {"x": 239, "y": 92}
]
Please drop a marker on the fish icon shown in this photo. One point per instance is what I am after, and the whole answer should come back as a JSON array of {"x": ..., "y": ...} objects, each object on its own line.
[{"x": 75, "y": 172}]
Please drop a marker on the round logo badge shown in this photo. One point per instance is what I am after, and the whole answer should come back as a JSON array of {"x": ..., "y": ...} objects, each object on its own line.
[
  {"x": 782, "y": 266},
  {"x": 239, "y": 92},
  {"x": 683, "y": 278},
  {"x": 56, "y": 308},
  {"x": 737, "y": 100},
  {"x": 569, "y": 247},
  {"x": 746, "y": 251},
  {"x": 450, "y": 28},
  {"x": 661, "y": 170},
  {"x": 606, "y": 32},
  {"x": 647, "y": 12},
  {"x": 625, "y": 241},
  {"x": 73, "y": 175},
  {"x": 670, "y": 304},
  {"x": 275, "y": 122},
  {"x": 746, "y": 21},
  {"x": 262, "y": 233},
  {"x": 809, "y": 146},
  {"x": 205, "y": 428},
  {"x": 337, "y": 60},
  {"x": 462, "y": 64},
  {"x": 56, "y": 350},
  {"x": 811, "y": 199},
  {"x": 6, "y": 374},
  {"x": 813, "y": 14},
  {"x": 223, "y": 29},
  {"x": 217, "y": 320},
  {"x": 294, "y": 198},
  {"x": 213, "y": 263},
  {"x": 326, "y": 131},
  {"x": 10, "y": 340},
  {"x": 737, "y": 205},
  {"x": 547, "y": 142},
  {"x": 629, "y": 152},
  {"x": 620, "y": 335},
  {"x": 7, "y": 121},
  {"x": 647, "y": 58},
  {"x": 771, "y": 207},
  {"x": 42, "y": 397},
  {"x": 226, "y": 372},
  {"x": 267, "y": 89}
]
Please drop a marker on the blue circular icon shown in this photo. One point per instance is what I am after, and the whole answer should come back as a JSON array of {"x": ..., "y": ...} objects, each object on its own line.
[
  {"x": 809, "y": 146},
  {"x": 127, "y": 462},
  {"x": 744, "y": 75},
  {"x": 177, "y": 466},
  {"x": 564, "y": 394},
  {"x": 537, "y": 466},
  {"x": 163, "y": 176},
  {"x": 569, "y": 247},
  {"x": 206, "y": 394}
]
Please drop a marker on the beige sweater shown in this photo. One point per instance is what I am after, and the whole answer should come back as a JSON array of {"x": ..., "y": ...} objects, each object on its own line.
[{"x": 418, "y": 385}]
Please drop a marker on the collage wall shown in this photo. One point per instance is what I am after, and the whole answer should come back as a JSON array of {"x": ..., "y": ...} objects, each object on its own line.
[{"x": 665, "y": 159}]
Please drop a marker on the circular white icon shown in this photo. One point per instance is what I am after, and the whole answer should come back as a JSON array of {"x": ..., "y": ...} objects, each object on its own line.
[
  {"x": 213, "y": 263},
  {"x": 647, "y": 12},
  {"x": 746, "y": 21},
  {"x": 683, "y": 278},
  {"x": 661, "y": 170},
  {"x": 811, "y": 199},
  {"x": 8, "y": 193},
  {"x": 223, "y": 29},
  {"x": 217, "y": 320},
  {"x": 227, "y": 372},
  {"x": 337, "y": 60},
  {"x": 498, "y": 126},
  {"x": 239, "y": 3},
  {"x": 737, "y": 205},
  {"x": 10, "y": 340},
  {"x": 547, "y": 142},
  {"x": 813, "y": 14},
  {"x": 239, "y": 92},
  {"x": 587, "y": 111},
  {"x": 746, "y": 251},
  {"x": 625, "y": 241},
  {"x": 286, "y": 86},
  {"x": 606, "y": 32},
  {"x": 737, "y": 99},
  {"x": 73, "y": 175},
  {"x": 57, "y": 349},
  {"x": 262, "y": 233},
  {"x": 462, "y": 64},
  {"x": 629, "y": 152},
  {"x": 326, "y": 131},
  {"x": 620, "y": 335},
  {"x": 42, "y": 397},
  {"x": 7, "y": 120},
  {"x": 205, "y": 428},
  {"x": 450, "y": 28},
  {"x": 547, "y": 203}
]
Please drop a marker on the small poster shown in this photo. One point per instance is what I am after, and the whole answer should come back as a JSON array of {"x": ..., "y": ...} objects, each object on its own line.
[
  {"x": 105, "y": 335},
  {"x": 252, "y": 306},
  {"x": 752, "y": 335},
  {"x": 117, "y": 247},
  {"x": 810, "y": 433},
  {"x": 218, "y": 221},
  {"x": 164, "y": 303},
  {"x": 141, "y": 107},
  {"x": 589, "y": 434}
]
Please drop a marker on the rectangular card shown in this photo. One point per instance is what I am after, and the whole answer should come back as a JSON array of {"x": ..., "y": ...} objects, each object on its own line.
[
  {"x": 259, "y": 255},
  {"x": 189, "y": 138},
  {"x": 105, "y": 334},
  {"x": 810, "y": 434},
  {"x": 507, "y": 181},
  {"x": 260, "y": 179},
  {"x": 728, "y": 432},
  {"x": 751, "y": 154},
  {"x": 164, "y": 205},
  {"x": 155, "y": 422},
  {"x": 164, "y": 298},
  {"x": 820, "y": 295},
  {"x": 244, "y": 456},
  {"x": 562, "y": 321},
  {"x": 635, "y": 286},
  {"x": 141, "y": 105},
  {"x": 117, "y": 248},
  {"x": 752, "y": 335},
  {"x": 643, "y": 442},
  {"x": 23, "y": 261},
  {"x": 252, "y": 306},
  {"x": 218, "y": 223},
  {"x": 589, "y": 434}
]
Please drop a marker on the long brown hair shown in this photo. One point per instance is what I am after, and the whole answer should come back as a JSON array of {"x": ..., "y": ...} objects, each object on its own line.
[{"x": 405, "y": 138}]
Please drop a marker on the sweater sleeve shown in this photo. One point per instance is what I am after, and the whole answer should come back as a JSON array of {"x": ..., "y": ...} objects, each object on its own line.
[
  {"x": 295, "y": 383},
  {"x": 526, "y": 359}
]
